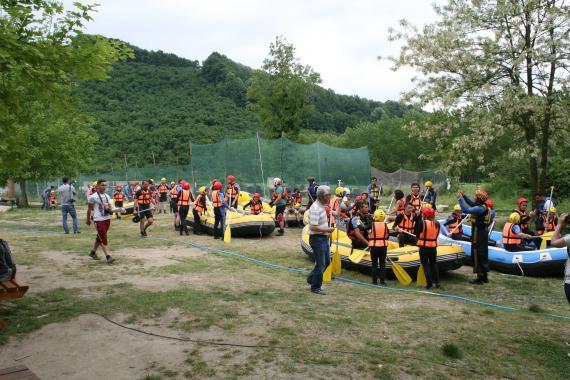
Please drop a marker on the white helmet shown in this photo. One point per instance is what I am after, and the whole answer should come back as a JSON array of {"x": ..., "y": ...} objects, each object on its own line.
[
  {"x": 276, "y": 181},
  {"x": 347, "y": 190}
]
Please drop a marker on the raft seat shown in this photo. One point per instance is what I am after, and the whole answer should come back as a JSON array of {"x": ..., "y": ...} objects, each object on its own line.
[{"x": 10, "y": 290}]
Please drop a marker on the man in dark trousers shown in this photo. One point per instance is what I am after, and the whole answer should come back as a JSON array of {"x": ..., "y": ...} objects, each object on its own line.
[{"x": 480, "y": 220}]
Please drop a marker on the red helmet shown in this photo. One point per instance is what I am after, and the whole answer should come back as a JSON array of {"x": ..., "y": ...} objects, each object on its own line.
[
  {"x": 256, "y": 196},
  {"x": 186, "y": 186},
  {"x": 137, "y": 183},
  {"x": 428, "y": 212},
  {"x": 231, "y": 178},
  {"x": 358, "y": 199},
  {"x": 217, "y": 185},
  {"x": 490, "y": 203},
  {"x": 482, "y": 195},
  {"x": 213, "y": 181},
  {"x": 119, "y": 187},
  {"x": 521, "y": 200}
]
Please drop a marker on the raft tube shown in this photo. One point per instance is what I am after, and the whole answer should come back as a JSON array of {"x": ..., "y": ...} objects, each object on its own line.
[
  {"x": 241, "y": 224},
  {"x": 537, "y": 263}
]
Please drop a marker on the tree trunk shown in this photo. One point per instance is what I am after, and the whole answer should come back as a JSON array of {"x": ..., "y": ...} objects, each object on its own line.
[
  {"x": 11, "y": 190},
  {"x": 23, "y": 200}
]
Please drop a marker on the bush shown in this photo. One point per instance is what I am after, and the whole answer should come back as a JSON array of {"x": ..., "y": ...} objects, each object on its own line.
[{"x": 451, "y": 351}]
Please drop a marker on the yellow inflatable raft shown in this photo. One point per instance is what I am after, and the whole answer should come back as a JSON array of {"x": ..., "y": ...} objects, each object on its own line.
[
  {"x": 449, "y": 256},
  {"x": 242, "y": 224}
]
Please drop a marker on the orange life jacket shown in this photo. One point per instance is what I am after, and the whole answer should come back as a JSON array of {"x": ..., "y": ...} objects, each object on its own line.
[
  {"x": 216, "y": 198},
  {"x": 231, "y": 192},
  {"x": 52, "y": 198},
  {"x": 118, "y": 196},
  {"x": 334, "y": 205},
  {"x": 174, "y": 193},
  {"x": 524, "y": 219},
  {"x": 407, "y": 223},
  {"x": 509, "y": 237},
  {"x": 416, "y": 201},
  {"x": 144, "y": 197},
  {"x": 549, "y": 225},
  {"x": 298, "y": 198},
  {"x": 256, "y": 207},
  {"x": 400, "y": 206},
  {"x": 184, "y": 198},
  {"x": 379, "y": 235},
  {"x": 456, "y": 222},
  {"x": 163, "y": 188},
  {"x": 429, "y": 234},
  {"x": 199, "y": 204}
]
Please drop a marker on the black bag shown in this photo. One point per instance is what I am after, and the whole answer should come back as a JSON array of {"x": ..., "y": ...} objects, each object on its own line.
[{"x": 6, "y": 263}]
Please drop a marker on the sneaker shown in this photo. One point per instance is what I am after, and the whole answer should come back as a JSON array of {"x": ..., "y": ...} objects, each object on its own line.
[
  {"x": 383, "y": 283},
  {"x": 476, "y": 281},
  {"x": 94, "y": 256},
  {"x": 187, "y": 233},
  {"x": 110, "y": 260},
  {"x": 319, "y": 292},
  {"x": 280, "y": 233},
  {"x": 77, "y": 232},
  {"x": 437, "y": 286},
  {"x": 143, "y": 234}
]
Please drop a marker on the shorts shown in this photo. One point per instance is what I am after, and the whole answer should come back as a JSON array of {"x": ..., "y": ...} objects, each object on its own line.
[
  {"x": 163, "y": 197},
  {"x": 174, "y": 205},
  {"x": 279, "y": 210},
  {"x": 145, "y": 211},
  {"x": 118, "y": 203},
  {"x": 102, "y": 227}
]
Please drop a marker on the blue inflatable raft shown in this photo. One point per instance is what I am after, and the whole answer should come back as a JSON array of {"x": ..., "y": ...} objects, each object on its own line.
[{"x": 541, "y": 262}]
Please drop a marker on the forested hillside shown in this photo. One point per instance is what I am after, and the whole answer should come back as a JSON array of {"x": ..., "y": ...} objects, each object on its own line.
[{"x": 159, "y": 102}]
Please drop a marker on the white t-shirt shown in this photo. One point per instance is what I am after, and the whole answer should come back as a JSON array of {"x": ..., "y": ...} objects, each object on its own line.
[
  {"x": 99, "y": 202},
  {"x": 318, "y": 217},
  {"x": 567, "y": 268}
]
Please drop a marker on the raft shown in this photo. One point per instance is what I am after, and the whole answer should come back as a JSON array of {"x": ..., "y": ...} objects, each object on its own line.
[
  {"x": 449, "y": 256},
  {"x": 241, "y": 224},
  {"x": 538, "y": 263}
]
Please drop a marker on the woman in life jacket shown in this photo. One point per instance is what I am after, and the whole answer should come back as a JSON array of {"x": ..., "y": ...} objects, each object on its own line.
[
  {"x": 513, "y": 237},
  {"x": 427, "y": 231},
  {"x": 378, "y": 244},
  {"x": 255, "y": 205},
  {"x": 454, "y": 226},
  {"x": 358, "y": 227},
  {"x": 198, "y": 209}
]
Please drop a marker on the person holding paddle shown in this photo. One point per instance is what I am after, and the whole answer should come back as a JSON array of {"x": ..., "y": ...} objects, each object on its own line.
[
  {"x": 319, "y": 231},
  {"x": 427, "y": 231},
  {"x": 480, "y": 221}
]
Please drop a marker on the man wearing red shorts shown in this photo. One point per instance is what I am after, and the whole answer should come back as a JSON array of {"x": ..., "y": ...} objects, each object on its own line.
[{"x": 99, "y": 210}]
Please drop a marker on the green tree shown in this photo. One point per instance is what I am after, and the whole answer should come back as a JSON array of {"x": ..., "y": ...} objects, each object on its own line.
[
  {"x": 498, "y": 69},
  {"x": 42, "y": 55},
  {"x": 280, "y": 91}
]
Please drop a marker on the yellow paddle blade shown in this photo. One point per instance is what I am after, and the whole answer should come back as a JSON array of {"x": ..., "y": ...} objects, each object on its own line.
[
  {"x": 356, "y": 256},
  {"x": 421, "y": 279},
  {"x": 336, "y": 263},
  {"x": 402, "y": 276},
  {"x": 334, "y": 235},
  {"x": 228, "y": 234},
  {"x": 327, "y": 274}
]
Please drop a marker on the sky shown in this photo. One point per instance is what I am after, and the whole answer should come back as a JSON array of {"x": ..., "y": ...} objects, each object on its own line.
[{"x": 341, "y": 40}]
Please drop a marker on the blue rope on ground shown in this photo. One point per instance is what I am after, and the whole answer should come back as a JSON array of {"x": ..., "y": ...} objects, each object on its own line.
[{"x": 356, "y": 282}]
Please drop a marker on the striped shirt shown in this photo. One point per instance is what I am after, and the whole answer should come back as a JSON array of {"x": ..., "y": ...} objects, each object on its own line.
[{"x": 318, "y": 217}]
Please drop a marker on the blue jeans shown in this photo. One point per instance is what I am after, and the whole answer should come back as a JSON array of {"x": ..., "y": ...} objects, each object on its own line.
[
  {"x": 322, "y": 253},
  {"x": 69, "y": 209}
]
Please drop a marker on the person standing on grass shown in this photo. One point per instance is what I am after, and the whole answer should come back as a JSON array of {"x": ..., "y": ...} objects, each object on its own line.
[
  {"x": 560, "y": 241},
  {"x": 67, "y": 196},
  {"x": 319, "y": 231},
  {"x": 143, "y": 207},
  {"x": 99, "y": 209},
  {"x": 427, "y": 230}
]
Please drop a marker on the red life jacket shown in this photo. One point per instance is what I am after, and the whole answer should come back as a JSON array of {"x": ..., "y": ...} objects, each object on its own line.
[
  {"x": 400, "y": 206},
  {"x": 456, "y": 222},
  {"x": 407, "y": 223},
  {"x": 144, "y": 197},
  {"x": 379, "y": 235},
  {"x": 509, "y": 237},
  {"x": 118, "y": 196},
  {"x": 216, "y": 198},
  {"x": 232, "y": 192},
  {"x": 256, "y": 207},
  {"x": 199, "y": 204},
  {"x": 416, "y": 201},
  {"x": 429, "y": 234},
  {"x": 163, "y": 189}
]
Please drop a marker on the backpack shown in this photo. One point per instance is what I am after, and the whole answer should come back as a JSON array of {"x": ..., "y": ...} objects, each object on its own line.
[{"x": 7, "y": 266}]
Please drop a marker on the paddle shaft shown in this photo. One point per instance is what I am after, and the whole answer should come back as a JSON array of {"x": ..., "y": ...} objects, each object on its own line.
[
  {"x": 456, "y": 227},
  {"x": 551, "y": 203}
]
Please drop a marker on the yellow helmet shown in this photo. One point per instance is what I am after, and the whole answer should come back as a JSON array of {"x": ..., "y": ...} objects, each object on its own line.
[
  {"x": 426, "y": 205},
  {"x": 163, "y": 179},
  {"x": 339, "y": 191},
  {"x": 379, "y": 215},
  {"x": 456, "y": 208},
  {"x": 552, "y": 210},
  {"x": 515, "y": 218},
  {"x": 297, "y": 205},
  {"x": 202, "y": 189},
  {"x": 94, "y": 183},
  {"x": 428, "y": 184}
]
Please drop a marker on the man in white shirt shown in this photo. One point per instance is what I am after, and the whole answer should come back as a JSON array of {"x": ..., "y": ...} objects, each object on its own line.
[
  {"x": 319, "y": 230},
  {"x": 99, "y": 209}
]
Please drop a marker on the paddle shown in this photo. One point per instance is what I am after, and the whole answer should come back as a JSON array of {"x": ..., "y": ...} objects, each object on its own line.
[
  {"x": 551, "y": 203},
  {"x": 228, "y": 230},
  {"x": 491, "y": 228},
  {"x": 402, "y": 276},
  {"x": 421, "y": 277},
  {"x": 456, "y": 227},
  {"x": 355, "y": 257},
  {"x": 327, "y": 274},
  {"x": 336, "y": 262}
]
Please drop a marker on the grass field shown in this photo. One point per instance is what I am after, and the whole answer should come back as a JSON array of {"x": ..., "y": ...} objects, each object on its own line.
[{"x": 168, "y": 288}]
